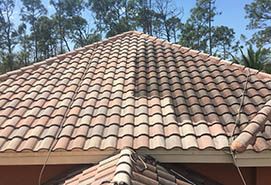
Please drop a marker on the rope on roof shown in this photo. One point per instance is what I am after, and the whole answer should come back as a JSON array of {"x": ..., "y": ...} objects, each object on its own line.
[
  {"x": 237, "y": 123},
  {"x": 65, "y": 117}
]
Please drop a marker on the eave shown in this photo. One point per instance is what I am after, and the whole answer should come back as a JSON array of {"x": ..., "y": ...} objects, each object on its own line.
[{"x": 246, "y": 159}]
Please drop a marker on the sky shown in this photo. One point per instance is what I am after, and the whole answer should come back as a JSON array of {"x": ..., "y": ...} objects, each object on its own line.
[{"x": 233, "y": 14}]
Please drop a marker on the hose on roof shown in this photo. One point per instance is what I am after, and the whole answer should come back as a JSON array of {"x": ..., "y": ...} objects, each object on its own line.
[{"x": 237, "y": 122}]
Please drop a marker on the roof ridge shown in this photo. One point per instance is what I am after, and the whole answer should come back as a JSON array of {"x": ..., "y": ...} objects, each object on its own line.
[
  {"x": 58, "y": 57},
  {"x": 206, "y": 55},
  {"x": 124, "y": 167},
  {"x": 248, "y": 134}
]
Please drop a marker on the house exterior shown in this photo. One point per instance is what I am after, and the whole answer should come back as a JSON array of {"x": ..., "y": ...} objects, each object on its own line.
[{"x": 135, "y": 94}]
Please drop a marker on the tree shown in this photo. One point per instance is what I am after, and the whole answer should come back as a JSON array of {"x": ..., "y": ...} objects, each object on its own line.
[
  {"x": 158, "y": 17},
  {"x": 203, "y": 14},
  {"x": 8, "y": 34},
  {"x": 199, "y": 33},
  {"x": 145, "y": 16},
  {"x": 224, "y": 41},
  {"x": 80, "y": 34},
  {"x": 25, "y": 44},
  {"x": 30, "y": 12},
  {"x": 60, "y": 21},
  {"x": 200, "y": 22},
  {"x": 114, "y": 17},
  {"x": 87, "y": 38},
  {"x": 166, "y": 19},
  {"x": 259, "y": 14},
  {"x": 67, "y": 19},
  {"x": 46, "y": 37},
  {"x": 193, "y": 35},
  {"x": 256, "y": 59}
]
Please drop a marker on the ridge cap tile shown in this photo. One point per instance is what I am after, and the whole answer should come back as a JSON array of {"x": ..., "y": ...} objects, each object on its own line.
[
  {"x": 248, "y": 134},
  {"x": 125, "y": 168}
]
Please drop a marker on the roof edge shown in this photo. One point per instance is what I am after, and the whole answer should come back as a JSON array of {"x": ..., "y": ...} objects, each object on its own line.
[
  {"x": 248, "y": 134},
  {"x": 94, "y": 156},
  {"x": 248, "y": 158}
]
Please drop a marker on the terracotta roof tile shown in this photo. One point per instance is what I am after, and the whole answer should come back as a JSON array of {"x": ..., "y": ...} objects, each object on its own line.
[{"x": 132, "y": 90}]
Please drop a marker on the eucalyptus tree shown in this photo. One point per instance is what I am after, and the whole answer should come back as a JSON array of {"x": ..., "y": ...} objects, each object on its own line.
[{"x": 46, "y": 37}]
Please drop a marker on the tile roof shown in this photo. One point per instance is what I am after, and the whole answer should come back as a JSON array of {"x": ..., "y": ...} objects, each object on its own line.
[
  {"x": 132, "y": 90},
  {"x": 126, "y": 168}
]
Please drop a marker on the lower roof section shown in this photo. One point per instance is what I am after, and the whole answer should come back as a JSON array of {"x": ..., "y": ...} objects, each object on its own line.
[
  {"x": 127, "y": 168},
  {"x": 246, "y": 159}
]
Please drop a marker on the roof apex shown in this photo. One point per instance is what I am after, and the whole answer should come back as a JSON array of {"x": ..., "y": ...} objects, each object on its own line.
[
  {"x": 124, "y": 168},
  {"x": 57, "y": 58}
]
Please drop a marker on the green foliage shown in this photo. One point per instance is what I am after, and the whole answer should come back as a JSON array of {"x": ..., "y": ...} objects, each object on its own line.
[
  {"x": 199, "y": 27},
  {"x": 158, "y": 17},
  {"x": 198, "y": 33},
  {"x": 257, "y": 59},
  {"x": 224, "y": 41},
  {"x": 204, "y": 11},
  {"x": 259, "y": 14},
  {"x": 8, "y": 35},
  {"x": 30, "y": 12},
  {"x": 45, "y": 37},
  {"x": 80, "y": 34},
  {"x": 192, "y": 36},
  {"x": 166, "y": 21},
  {"x": 145, "y": 16},
  {"x": 68, "y": 20},
  {"x": 87, "y": 39},
  {"x": 24, "y": 39},
  {"x": 114, "y": 17}
]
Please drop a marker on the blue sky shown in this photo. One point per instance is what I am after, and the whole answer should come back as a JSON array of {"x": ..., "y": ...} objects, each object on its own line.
[{"x": 233, "y": 14}]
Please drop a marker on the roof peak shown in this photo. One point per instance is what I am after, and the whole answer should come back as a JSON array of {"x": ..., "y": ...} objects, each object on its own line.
[
  {"x": 126, "y": 168},
  {"x": 184, "y": 49}
]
